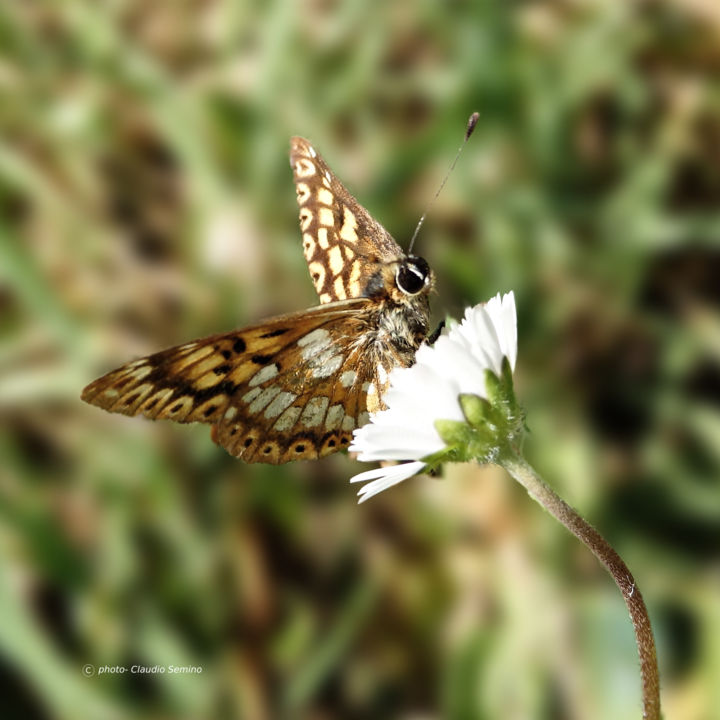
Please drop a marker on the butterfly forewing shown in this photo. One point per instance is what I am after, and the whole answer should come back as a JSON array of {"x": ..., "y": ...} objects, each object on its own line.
[{"x": 341, "y": 241}]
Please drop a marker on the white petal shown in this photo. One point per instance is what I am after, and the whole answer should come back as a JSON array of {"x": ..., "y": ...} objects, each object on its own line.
[
  {"x": 384, "y": 478},
  {"x": 375, "y": 442},
  {"x": 509, "y": 324},
  {"x": 463, "y": 370},
  {"x": 487, "y": 340}
]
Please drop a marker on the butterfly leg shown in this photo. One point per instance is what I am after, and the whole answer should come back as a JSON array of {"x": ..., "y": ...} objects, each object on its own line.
[{"x": 435, "y": 334}]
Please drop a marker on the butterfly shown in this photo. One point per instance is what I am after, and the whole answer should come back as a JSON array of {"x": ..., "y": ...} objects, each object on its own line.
[{"x": 295, "y": 386}]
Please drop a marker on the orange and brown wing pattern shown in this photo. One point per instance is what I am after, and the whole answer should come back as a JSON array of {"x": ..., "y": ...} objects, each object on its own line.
[
  {"x": 341, "y": 241},
  {"x": 291, "y": 388},
  {"x": 295, "y": 386},
  {"x": 310, "y": 399}
]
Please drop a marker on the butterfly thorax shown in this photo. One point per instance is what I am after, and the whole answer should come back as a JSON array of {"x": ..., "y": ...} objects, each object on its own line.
[
  {"x": 397, "y": 319},
  {"x": 400, "y": 331},
  {"x": 402, "y": 319}
]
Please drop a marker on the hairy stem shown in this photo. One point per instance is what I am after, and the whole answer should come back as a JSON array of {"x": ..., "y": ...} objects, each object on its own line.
[{"x": 614, "y": 564}]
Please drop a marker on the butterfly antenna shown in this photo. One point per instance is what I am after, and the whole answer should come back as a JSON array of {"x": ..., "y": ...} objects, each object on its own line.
[{"x": 472, "y": 122}]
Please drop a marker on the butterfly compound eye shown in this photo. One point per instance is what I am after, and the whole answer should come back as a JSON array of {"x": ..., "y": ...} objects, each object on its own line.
[{"x": 412, "y": 275}]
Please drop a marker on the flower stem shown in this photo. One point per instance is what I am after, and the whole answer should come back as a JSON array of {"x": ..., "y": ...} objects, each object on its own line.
[{"x": 603, "y": 551}]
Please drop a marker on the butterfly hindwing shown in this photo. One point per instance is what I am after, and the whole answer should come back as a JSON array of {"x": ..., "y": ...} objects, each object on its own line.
[
  {"x": 293, "y": 387},
  {"x": 309, "y": 409},
  {"x": 340, "y": 238}
]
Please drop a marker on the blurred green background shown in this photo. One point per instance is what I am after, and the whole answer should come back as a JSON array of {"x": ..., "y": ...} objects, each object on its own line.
[{"x": 146, "y": 199}]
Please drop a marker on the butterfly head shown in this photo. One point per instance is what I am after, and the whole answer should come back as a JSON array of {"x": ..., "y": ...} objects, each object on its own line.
[{"x": 406, "y": 282}]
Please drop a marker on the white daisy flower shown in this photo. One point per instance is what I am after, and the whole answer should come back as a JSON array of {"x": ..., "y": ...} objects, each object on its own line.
[{"x": 432, "y": 390}]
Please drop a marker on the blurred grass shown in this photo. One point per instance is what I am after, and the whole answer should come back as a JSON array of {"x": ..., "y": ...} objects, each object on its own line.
[{"x": 145, "y": 199}]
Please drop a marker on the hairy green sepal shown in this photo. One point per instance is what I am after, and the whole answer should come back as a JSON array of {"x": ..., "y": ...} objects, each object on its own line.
[{"x": 491, "y": 425}]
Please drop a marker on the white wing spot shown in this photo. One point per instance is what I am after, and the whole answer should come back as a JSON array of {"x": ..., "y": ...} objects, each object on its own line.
[
  {"x": 325, "y": 217},
  {"x": 363, "y": 418},
  {"x": 334, "y": 417},
  {"x": 303, "y": 193},
  {"x": 261, "y": 376},
  {"x": 314, "y": 411},
  {"x": 348, "y": 423},
  {"x": 317, "y": 273},
  {"x": 304, "y": 167},
  {"x": 311, "y": 151},
  {"x": 348, "y": 378},
  {"x": 306, "y": 218},
  {"x": 322, "y": 236},
  {"x": 308, "y": 246},
  {"x": 353, "y": 284},
  {"x": 263, "y": 399},
  {"x": 281, "y": 402},
  {"x": 251, "y": 395},
  {"x": 324, "y": 196},
  {"x": 335, "y": 260},
  {"x": 326, "y": 364},
  {"x": 287, "y": 419},
  {"x": 111, "y": 392},
  {"x": 347, "y": 231},
  {"x": 328, "y": 177},
  {"x": 339, "y": 288},
  {"x": 230, "y": 413},
  {"x": 314, "y": 342}
]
